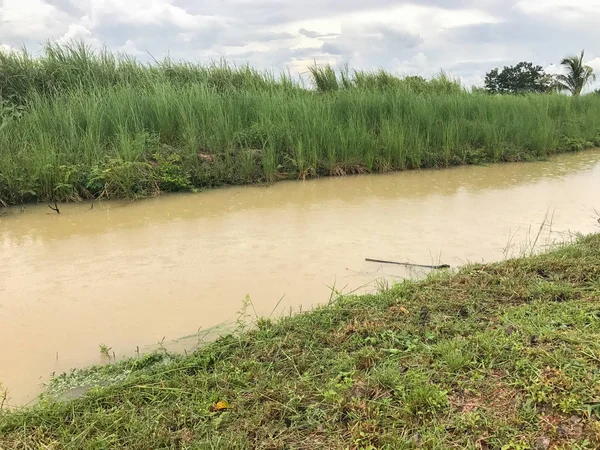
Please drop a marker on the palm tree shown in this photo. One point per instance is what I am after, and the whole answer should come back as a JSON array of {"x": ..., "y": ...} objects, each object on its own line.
[{"x": 578, "y": 74}]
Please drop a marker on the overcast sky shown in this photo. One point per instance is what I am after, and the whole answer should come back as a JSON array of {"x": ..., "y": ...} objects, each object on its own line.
[{"x": 465, "y": 38}]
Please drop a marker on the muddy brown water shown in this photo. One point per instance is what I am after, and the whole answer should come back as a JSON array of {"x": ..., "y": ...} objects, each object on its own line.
[{"x": 129, "y": 275}]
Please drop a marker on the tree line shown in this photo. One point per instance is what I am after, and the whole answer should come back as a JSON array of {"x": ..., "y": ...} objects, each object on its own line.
[{"x": 525, "y": 77}]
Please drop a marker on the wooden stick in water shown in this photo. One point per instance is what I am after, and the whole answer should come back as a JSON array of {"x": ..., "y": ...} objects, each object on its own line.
[
  {"x": 55, "y": 209},
  {"x": 440, "y": 266}
]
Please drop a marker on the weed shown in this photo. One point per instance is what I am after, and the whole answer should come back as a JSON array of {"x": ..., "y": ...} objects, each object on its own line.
[
  {"x": 105, "y": 351},
  {"x": 3, "y": 397}
]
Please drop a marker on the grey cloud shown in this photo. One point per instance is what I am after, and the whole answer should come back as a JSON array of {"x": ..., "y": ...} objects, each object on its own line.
[
  {"x": 160, "y": 39},
  {"x": 151, "y": 38},
  {"x": 308, "y": 33},
  {"x": 333, "y": 48},
  {"x": 393, "y": 34},
  {"x": 524, "y": 38},
  {"x": 73, "y": 8},
  {"x": 314, "y": 35},
  {"x": 371, "y": 41}
]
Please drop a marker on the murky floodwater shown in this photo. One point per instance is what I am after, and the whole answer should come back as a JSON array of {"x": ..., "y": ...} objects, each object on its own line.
[{"x": 131, "y": 274}]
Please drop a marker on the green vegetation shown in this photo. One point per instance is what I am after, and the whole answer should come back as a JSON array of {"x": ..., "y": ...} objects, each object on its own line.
[
  {"x": 521, "y": 78},
  {"x": 578, "y": 74},
  {"x": 526, "y": 78},
  {"x": 502, "y": 356},
  {"x": 78, "y": 125}
]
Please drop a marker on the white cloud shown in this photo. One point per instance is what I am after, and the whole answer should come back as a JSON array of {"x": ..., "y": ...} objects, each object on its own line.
[
  {"x": 553, "y": 69},
  {"x": 31, "y": 19},
  {"x": 561, "y": 9},
  {"x": 416, "y": 65},
  {"x": 77, "y": 32},
  {"x": 145, "y": 12},
  {"x": 465, "y": 38},
  {"x": 410, "y": 18},
  {"x": 426, "y": 20},
  {"x": 130, "y": 48},
  {"x": 595, "y": 64}
]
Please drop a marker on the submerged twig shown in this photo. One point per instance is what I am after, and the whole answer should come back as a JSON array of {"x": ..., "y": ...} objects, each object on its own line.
[
  {"x": 55, "y": 208},
  {"x": 439, "y": 266},
  {"x": 3, "y": 398}
]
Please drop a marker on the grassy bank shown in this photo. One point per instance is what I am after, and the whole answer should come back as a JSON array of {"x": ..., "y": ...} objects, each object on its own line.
[
  {"x": 77, "y": 125},
  {"x": 497, "y": 356}
]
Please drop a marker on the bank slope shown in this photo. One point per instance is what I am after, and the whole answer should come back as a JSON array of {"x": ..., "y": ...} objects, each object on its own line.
[{"x": 503, "y": 355}]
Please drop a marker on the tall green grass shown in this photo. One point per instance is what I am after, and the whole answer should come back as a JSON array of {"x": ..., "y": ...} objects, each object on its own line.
[
  {"x": 67, "y": 67},
  {"x": 95, "y": 124},
  {"x": 325, "y": 79}
]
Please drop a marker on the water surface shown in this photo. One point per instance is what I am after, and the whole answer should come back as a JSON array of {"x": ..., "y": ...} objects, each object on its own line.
[{"x": 129, "y": 275}]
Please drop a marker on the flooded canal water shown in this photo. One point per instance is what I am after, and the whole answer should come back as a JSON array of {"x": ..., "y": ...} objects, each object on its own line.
[{"x": 129, "y": 275}]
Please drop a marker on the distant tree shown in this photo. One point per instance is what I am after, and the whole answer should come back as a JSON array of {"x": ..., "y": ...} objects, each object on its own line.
[
  {"x": 578, "y": 74},
  {"x": 519, "y": 79}
]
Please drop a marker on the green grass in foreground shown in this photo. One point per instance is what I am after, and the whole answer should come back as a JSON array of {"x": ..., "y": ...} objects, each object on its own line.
[
  {"x": 77, "y": 125},
  {"x": 496, "y": 356}
]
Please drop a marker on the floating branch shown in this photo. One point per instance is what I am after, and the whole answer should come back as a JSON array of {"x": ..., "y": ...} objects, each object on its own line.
[{"x": 440, "y": 266}]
